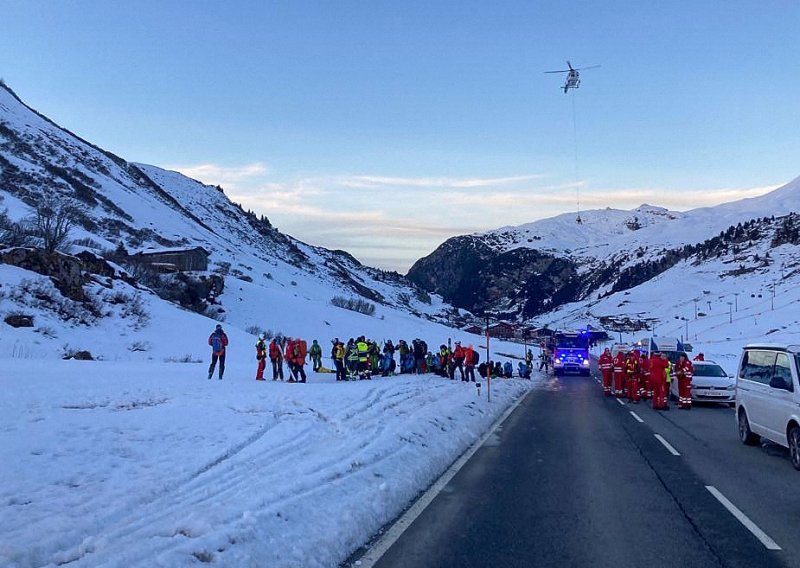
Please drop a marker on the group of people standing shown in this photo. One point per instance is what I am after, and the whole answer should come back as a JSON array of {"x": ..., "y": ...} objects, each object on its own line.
[
  {"x": 638, "y": 376},
  {"x": 361, "y": 358}
]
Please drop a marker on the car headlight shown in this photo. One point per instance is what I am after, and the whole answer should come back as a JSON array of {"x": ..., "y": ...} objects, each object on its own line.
[{"x": 586, "y": 362}]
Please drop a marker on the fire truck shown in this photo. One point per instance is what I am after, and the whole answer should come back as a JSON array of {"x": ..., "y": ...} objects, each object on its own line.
[{"x": 571, "y": 352}]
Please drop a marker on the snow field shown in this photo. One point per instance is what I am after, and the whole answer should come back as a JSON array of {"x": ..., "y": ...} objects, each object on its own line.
[{"x": 141, "y": 464}]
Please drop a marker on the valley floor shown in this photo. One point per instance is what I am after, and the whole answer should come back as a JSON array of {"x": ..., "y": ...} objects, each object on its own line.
[{"x": 111, "y": 464}]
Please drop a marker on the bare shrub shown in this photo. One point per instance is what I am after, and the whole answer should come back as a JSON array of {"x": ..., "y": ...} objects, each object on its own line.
[
  {"x": 52, "y": 221},
  {"x": 139, "y": 346},
  {"x": 354, "y": 304},
  {"x": 188, "y": 358}
]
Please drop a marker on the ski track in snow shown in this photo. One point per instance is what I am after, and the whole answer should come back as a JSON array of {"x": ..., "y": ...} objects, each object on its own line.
[{"x": 229, "y": 473}]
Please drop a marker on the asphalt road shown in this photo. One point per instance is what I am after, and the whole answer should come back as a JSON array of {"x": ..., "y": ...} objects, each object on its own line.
[{"x": 572, "y": 478}]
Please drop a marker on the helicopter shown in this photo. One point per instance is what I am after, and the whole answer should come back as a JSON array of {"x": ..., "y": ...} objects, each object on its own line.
[{"x": 573, "y": 77}]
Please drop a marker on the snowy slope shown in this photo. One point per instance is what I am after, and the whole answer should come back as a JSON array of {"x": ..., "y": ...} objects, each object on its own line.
[
  {"x": 606, "y": 232},
  {"x": 271, "y": 280}
]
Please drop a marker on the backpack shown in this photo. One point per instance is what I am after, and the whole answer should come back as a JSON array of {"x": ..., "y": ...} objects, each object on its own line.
[
  {"x": 476, "y": 357},
  {"x": 216, "y": 343}
]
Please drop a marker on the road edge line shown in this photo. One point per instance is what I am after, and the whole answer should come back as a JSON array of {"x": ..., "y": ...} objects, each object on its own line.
[
  {"x": 744, "y": 519},
  {"x": 385, "y": 542},
  {"x": 637, "y": 417}
]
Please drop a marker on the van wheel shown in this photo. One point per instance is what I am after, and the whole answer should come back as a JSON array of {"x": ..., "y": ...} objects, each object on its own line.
[
  {"x": 794, "y": 446},
  {"x": 745, "y": 434}
]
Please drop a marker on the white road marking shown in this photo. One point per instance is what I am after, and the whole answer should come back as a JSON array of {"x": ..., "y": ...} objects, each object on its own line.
[
  {"x": 666, "y": 444},
  {"x": 638, "y": 419},
  {"x": 385, "y": 542},
  {"x": 750, "y": 525},
  {"x": 619, "y": 400}
]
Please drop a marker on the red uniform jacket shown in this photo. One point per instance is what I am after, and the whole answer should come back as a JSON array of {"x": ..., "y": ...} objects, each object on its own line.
[
  {"x": 658, "y": 369},
  {"x": 619, "y": 362},
  {"x": 685, "y": 370},
  {"x": 605, "y": 360}
]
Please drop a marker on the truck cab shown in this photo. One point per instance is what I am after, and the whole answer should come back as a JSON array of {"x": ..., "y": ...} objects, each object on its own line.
[{"x": 571, "y": 353}]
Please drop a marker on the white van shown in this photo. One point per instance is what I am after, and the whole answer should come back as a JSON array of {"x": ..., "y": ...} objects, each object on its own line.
[{"x": 768, "y": 396}]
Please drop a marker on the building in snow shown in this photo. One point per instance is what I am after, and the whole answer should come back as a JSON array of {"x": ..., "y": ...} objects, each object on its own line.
[{"x": 175, "y": 259}]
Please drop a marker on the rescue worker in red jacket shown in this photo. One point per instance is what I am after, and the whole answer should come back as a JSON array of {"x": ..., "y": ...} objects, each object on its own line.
[
  {"x": 469, "y": 364},
  {"x": 618, "y": 367},
  {"x": 700, "y": 357},
  {"x": 684, "y": 371},
  {"x": 459, "y": 355},
  {"x": 632, "y": 376},
  {"x": 261, "y": 356},
  {"x": 296, "y": 357},
  {"x": 606, "y": 363},
  {"x": 276, "y": 358},
  {"x": 648, "y": 386},
  {"x": 659, "y": 366}
]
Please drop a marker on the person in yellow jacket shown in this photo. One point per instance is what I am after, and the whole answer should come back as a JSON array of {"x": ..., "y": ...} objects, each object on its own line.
[
  {"x": 338, "y": 360},
  {"x": 363, "y": 358}
]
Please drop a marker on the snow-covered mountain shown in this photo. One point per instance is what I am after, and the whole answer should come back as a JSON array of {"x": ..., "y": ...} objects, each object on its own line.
[
  {"x": 531, "y": 270},
  {"x": 271, "y": 280}
]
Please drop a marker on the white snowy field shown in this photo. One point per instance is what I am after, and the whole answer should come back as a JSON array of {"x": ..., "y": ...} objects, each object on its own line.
[{"x": 151, "y": 464}]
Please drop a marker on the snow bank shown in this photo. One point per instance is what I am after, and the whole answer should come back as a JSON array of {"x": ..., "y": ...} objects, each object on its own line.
[{"x": 130, "y": 463}]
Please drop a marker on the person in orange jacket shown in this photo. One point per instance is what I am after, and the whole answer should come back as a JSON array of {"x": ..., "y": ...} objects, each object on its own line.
[
  {"x": 647, "y": 385},
  {"x": 632, "y": 376},
  {"x": 618, "y": 367},
  {"x": 469, "y": 364},
  {"x": 459, "y": 355},
  {"x": 659, "y": 367},
  {"x": 684, "y": 371},
  {"x": 606, "y": 363},
  {"x": 296, "y": 358},
  {"x": 276, "y": 358}
]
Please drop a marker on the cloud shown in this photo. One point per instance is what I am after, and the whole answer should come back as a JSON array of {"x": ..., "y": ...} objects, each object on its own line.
[
  {"x": 350, "y": 212},
  {"x": 227, "y": 177},
  {"x": 373, "y": 182}
]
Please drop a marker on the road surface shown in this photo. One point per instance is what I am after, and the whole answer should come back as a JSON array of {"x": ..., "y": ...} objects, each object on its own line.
[{"x": 573, "y": 478}]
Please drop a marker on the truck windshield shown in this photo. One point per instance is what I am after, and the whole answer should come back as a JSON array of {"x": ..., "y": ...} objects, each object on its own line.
[{"x": 571, "y": 343}]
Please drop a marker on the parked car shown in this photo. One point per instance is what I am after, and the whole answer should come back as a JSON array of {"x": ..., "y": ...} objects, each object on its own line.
[
  {"x": 768, "y": 396},
  {"x": 710, "y": 384}
]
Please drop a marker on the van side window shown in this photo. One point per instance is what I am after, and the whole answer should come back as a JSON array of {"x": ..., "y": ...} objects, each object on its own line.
[
  {"x": 757, "y": 366},
  {"x": 783, "y": 371}
]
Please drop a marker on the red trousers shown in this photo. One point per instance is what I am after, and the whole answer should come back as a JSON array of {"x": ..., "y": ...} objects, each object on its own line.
[
  {"x": 633, "y": 388},
  {"x": 260, "y": 372},
  {"x": 648, "y": 387},
  {"x": 619, "y": 378},
  {"x": 660, "y": 392},
  {"x": 606, "y": 381},
  {"x": 684, "y": 393}
]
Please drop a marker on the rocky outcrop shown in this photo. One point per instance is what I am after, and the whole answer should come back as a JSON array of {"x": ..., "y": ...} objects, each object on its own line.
[
  {"x": 65, "y": 270},
  {"x": 521, "y": 282}
]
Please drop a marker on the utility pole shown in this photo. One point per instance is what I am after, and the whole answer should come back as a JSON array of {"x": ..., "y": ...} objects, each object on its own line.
[
  {"x": 695, "y": 308},
  {"x": 772, "y": 302},
  {"x": 736, "y": 300},
  {"x": 488, "y": 370},
  {"x": 730, "y": 312}
]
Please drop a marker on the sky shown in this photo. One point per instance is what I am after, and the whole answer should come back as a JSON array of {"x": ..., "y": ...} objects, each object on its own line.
[{"x": 384, "y": 128}]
